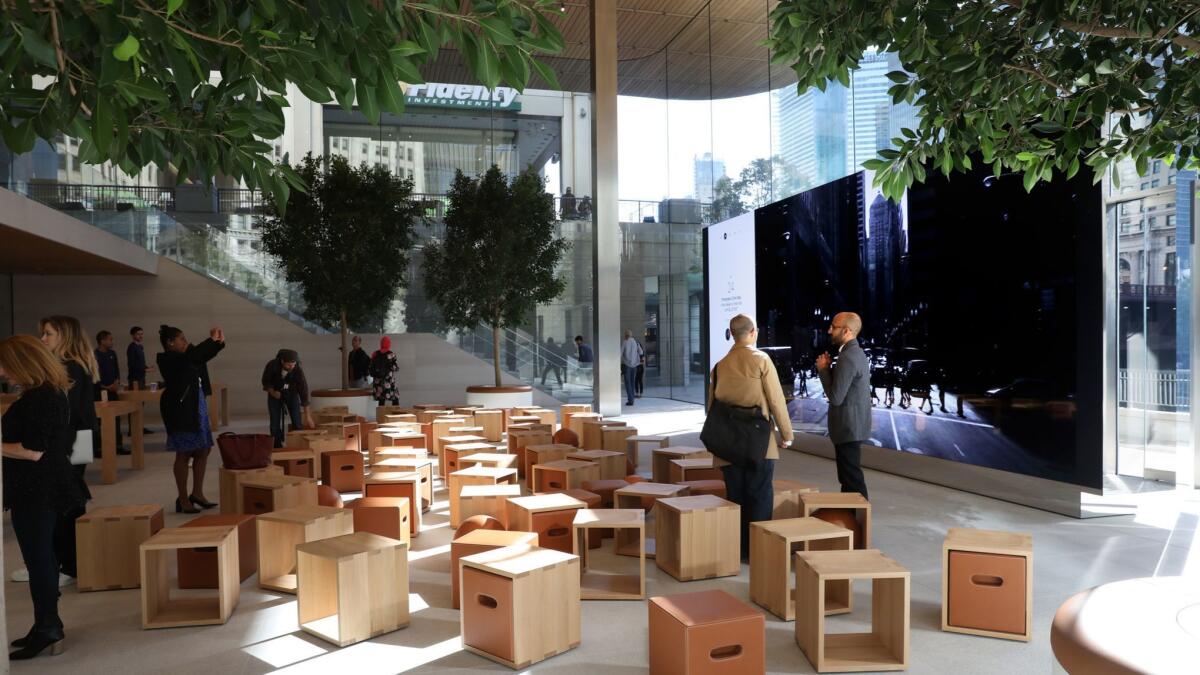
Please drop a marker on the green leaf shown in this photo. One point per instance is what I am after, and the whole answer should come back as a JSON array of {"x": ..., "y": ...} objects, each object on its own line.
[
  {"x": 36, "y": 47},
  {"x": 139, "y": 91},
  {"x": 173, "y": 5},
  {"x": 390, "y": 96},
  {"x": 1105, "y": 67},
  {"x": 498, "y": 30},
  {"x": 407, "y": 48},
  {"x": 128, "y": 47},
  {"x": 1026, "y": 157},
  {"x": 546, "y": 73},
  {"x": 366, "y": 100},
  {"x": 102, "y": 125}
]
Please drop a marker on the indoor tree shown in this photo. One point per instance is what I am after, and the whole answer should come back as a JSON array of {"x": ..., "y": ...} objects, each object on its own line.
[
  {"x": 500, "y": 254},
  {"x": 1027, "y": 84},
  {"x": 133, "y": 79},
  {"x": 345, "y": 240}
]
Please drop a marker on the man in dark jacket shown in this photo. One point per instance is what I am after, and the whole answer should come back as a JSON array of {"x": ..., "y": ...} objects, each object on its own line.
[
  {"x": 135, "y": 362},
  {"x": 287, "y": 389},
  {"x": 360, "y": 364},
  {"x": 847, "y": 386}
]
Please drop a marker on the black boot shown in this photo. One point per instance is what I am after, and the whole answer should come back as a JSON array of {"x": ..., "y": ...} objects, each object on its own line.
[{"x": 37, "y": 642}]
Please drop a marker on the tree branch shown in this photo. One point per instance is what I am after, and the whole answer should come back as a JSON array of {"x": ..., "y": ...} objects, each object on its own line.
[{"x": 1094, "y": 28}]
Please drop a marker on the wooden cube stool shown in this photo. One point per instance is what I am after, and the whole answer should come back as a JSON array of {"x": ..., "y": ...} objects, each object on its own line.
[
  {"x": 198, "y": 566},
  {"x": 660, "y": 467},
  {"x": 848, "y": 509},
  {"x": 398, "y": 438},
  {"x": 549, "y": 515},
  {"x": 353, "y": 587},
  {"x": 453, "y": 452},
  {"x": 599, "y": 585},
  {"x": 364, "y": 434},
  {"x": 596, "y": 534},
  {"x": 486, "y": 500},
  {"x": 772, "y": 545},
  {"x": 643, "y": 496},
  {"x": 231, "y": 485},
  {"x": 295, "y": 462},
  {"x": 279, "y": 532},
  {"x": 492, "y": 422},
  {"x": 520, "y": 439},
  {"x": 542, "y": 454},
  {"x": 592, "y": 437},
  {"x": 987, "y": 583},
  {"x": 262, "y": 494},
  {"x": 786, "y": 498},
  {"x": 605, "y": 488},
  {"x": 575, "y": 423},
  {"x": 614, "y": 439},
  {"x": 886, "y": 646},
  {"x": 715, "y": 488},
  {"x": 566, "y": 410},
  {"x": 611, "y": 463},
  {"x": 563, "y": 474},
  {"x": 520, "y": 606},
  {"x": 385, "y": 452},
  {"x": 526, "y": 422},
  {"x": 343, "y": 471},
  {"x": 439, "y": 428},
  {"x": 693, "y": 468},
  {"x": 495, "y": 460},
  {"x": 421, "y": 466},
  {"x": 633, "y": 445},
  {"x": 381, "y": 412},
  {"x": 543, "y": 416},
  {"x": 159, "y": 609},
  {"x": 706, "y": 633},
  {"x": 698, "y": 537},
  {"x": 479, "y": 541},
  {"x": 107, "y": 540},
  {"x": 406, "y": 485},
  {"x": 477, "y": 475},
  {"x": 385, "y": 516}
]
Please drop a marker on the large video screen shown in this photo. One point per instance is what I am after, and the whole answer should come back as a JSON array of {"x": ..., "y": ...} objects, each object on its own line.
[
  {"x": 729, "y": 266},
  {"x": 982, "y": 314}
]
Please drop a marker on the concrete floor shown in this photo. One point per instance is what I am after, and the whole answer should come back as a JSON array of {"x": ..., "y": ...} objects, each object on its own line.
[{"x": 910, "y": 521}]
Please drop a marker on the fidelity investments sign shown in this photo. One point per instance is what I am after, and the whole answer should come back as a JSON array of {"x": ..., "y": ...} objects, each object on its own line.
[{"x": 437, "y": 95}]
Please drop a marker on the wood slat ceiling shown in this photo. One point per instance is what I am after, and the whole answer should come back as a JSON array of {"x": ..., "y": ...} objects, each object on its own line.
[{"x": 665, "y": 48}]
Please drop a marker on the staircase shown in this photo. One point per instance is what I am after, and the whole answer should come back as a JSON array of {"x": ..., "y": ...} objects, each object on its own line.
[{"x": 523, "y": 357}]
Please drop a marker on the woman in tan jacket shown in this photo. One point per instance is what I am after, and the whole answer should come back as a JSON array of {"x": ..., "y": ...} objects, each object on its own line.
[{"x": 747, "y": 377}]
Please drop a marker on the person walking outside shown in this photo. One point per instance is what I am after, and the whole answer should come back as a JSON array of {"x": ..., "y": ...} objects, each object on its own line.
[
  {"x": 639, "y": 384},
  {"x": 359, "y": 364},
  {"x": 847, "y": 385},
  {"x": 287, "y": 391},
  {"x": 585, "y": 357},
  {"x": 40, "y": 487},
  {"x": 383, "y": 373},
  {"x": 746, "y": 377},
  {"x": 184, "y": 408},
  {"x": 550, "y": 363},
  {"x": 630, "y": 357}
]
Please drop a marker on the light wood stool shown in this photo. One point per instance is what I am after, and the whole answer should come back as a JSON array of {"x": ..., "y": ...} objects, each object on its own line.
[
  {"x": 295, "y": 462},
  {"x": 231, "y": 485},
  {"x": 343, "y": 471},
  {"x": 635, "y": 496},
  {"x": 478, "y": 475},
  {"x": 520, "y": 606},
  {"x": 495, "y": 460},
  {"x": 660, "y": 467},
  {"x": 593, "y": 432},
  {"x": 615, "y": 439},
  {"x": 698, "y": 537},
  {"x": 382, "y": 412},
  {"x": 486, "y": 500},
  {"x": 772, "y": 544},
  {"x": 198, "y": 567},
  {"x": 850, "y": 503},
  {"x": 452, "y": 453},
  {"x": 422, "y": 466},
  {"x": 279, "y": 532},
  {"x": 519, "y": 439},
  {"x": 563, "y": 474},
  {"x": 107, "y": 541},
  {"x": 542, "y": 454},
  {"x": 576, "y": 423},
  {"x": 786, "y": 498},
  {"x": 566, "y": 410},
  {"x": 407, "y": 485},
  {"x": 987, "y": 583},
  {"x": 549, "y": 515},
  {"x": 263, "y": 494},
  {"x": 159, "y": 609},
  {"x": 600, "y": 585},
  {"x": 886, "y": 646},
  {"x": 633, "y": 445},
  {"x": 492, "y": 422},
  {"x": 693, "y": 468},
  {"x": 439, "y": 427},
  {"x": 611, "y": 464},
  {"x": 353, "y": 587},
  {"x": 479, "y": 541}
]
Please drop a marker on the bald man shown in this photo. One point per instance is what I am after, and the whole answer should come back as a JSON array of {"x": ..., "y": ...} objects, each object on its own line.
[{"x": 847, "y": 386}]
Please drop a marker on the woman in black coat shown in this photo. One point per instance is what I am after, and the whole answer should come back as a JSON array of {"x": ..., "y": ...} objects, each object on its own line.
[
  {"x": 39, "y": 483},
  {"x": 184, "y": 409}
]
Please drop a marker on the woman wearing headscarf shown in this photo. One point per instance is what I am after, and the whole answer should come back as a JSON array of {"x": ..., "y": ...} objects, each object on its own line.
[
  {"x": 184, "y": 369},
  {"x": 287, "y": 389},
  {"x": 383, "y": 372}
]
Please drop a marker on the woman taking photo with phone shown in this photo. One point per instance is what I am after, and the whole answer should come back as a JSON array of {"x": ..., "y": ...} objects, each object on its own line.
[
  {"x": 39, "y": 483},
  {"x": 184, "y": 369}
]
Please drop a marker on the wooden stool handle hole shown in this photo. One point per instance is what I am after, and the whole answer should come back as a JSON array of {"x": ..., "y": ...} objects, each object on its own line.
[
  {"x": 987, "y": 580},
  {"x": 725, "y": 653},
  {"x": 487, "y": 601}
]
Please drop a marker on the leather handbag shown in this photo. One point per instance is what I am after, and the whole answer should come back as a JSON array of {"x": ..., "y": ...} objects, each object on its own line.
[
  {"x": 737, "y": 434},
  {"x": 245, "y": 451}
]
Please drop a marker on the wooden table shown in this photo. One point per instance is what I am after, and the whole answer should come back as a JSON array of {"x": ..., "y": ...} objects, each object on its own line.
[
  {"x": 108, "y": 412},
  {"x": 218, "y": 399}
]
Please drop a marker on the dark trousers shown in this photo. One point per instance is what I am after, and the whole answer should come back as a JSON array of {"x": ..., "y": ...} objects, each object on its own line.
[
  {"x": 35, "y": 529},
  {"x": 558, "y": 374},
  {"x": 640, "y": 382},
  {"x": 630, "y": 376},
  {"x": 849, "y": 467},
  {"x": 64, "y": 534},
  {"x": 275, "y": 410},
  {"x": 750, "y": 487}
]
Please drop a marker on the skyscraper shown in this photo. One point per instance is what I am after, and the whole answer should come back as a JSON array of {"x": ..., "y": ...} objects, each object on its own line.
[{"x": 706, "y": 171}]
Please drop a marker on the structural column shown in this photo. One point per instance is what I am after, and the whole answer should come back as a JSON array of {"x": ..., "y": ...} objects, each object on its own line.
[{"x": 606, "y": 233}]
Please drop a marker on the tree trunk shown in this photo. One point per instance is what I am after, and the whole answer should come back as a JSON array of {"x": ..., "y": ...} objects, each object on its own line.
[
  {"x": 496, "y": 351},
  {"x": 342, "y": 349}
]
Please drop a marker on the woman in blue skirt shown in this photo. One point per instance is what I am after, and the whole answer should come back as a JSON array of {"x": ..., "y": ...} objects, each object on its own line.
[{"x": 184, "y": 409}]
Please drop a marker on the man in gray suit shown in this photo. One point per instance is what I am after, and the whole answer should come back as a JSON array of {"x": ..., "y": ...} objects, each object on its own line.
[{"x": 847, "y": 385}]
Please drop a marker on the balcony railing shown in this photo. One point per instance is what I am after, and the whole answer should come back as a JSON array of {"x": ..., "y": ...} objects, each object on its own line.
[{"x": 1163, "y": 390}]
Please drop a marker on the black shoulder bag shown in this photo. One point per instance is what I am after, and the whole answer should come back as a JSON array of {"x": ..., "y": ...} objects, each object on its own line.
[{"x": 739, "y": 435}]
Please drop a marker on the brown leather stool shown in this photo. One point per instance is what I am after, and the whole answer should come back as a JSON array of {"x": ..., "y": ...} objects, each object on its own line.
[
  {"x": 198, "y": 566},
  {"x": 343, "y": 470},
  {"x": 706, "y": 633},
  {"x": 327, "y": 496},
  {"x": 565, "y": 436},
  {"x": 605, "y": 489},
  {"x": 384, "y": 516},
  {"x": 705, "y": 487}
]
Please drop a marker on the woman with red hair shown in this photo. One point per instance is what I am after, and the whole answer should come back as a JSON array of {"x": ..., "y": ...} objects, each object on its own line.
[{"x": 383, "y": 373}]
